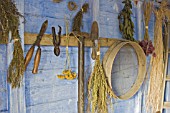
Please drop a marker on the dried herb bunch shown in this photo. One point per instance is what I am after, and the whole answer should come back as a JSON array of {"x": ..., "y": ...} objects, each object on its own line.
[
  {"x": 77, "y": 20},
  {"x": 98, "y": 90},
  {"x": 126, "y": 26},
  {"x": 146, "y": 44},
  {"x": 9, "y": 19},
  {"x": 16, "y": 67}
]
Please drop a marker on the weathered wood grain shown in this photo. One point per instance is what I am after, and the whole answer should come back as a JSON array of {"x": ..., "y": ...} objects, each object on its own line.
[
  {"x": 49, "y": 94},
  {"x": 47, "y": 40},
  {"x": 63, "y": 106}
]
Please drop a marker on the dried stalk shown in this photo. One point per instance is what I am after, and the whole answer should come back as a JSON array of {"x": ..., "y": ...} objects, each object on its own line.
[
  {"x": 148, "y": 7},
  {"x": 156, "y": 74}
]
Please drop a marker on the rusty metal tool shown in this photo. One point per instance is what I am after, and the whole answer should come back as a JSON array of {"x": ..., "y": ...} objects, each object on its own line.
[
  {"x": 56, "y": 40},
  {"x": 94, "y": 35},
  {"x": 38, "y": 52}
]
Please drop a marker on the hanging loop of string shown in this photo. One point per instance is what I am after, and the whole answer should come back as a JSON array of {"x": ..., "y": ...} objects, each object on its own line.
[{"x": 67, "y": 62}]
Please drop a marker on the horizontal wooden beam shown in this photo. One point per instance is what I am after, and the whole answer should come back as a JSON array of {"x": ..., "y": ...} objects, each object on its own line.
[
  {"x": 47, "y": 40},
  {"x": 167, "y": 105},
  {"x": 168, "y": 78}
]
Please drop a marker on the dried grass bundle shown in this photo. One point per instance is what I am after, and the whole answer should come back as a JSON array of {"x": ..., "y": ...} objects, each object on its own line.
[
  {"x": 16, "y": 67},
  {"x": 9, "y": 19},
  {"x": 77, "y": 21},
  {"x": 146, "y": 44},
  {"x": 156, "y": 74},
  {"x": 148, "y": 7},
  {"x": 98, "y": 90}
]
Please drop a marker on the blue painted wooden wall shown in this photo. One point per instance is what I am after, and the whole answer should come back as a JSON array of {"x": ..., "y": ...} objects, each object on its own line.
[{"x": 44, "y": 92}]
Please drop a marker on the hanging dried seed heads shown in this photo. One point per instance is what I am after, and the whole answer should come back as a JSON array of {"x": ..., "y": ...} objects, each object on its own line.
[
  {"x": 98, "y": 90},
  {"x": 72, "y": 6},
  {"x": 146, "y": 44},
  {"x": 9, "y": 19},
  {"x": 16, "y": 67},
  {"x": 77, "y": 21}
]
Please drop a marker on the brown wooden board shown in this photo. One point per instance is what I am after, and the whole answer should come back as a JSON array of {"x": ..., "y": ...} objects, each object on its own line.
[{"x": 47, "y": 40}]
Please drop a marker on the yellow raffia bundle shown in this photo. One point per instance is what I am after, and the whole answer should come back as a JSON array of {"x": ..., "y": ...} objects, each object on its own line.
[
  {"x": 153, "y": 101},
  {"x": 98, "y": 90}
]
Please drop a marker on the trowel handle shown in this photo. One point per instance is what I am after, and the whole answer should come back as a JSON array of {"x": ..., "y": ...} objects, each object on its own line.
[
  {"x": 29, "y": 56},
  {"x": 37, "y": 61}
]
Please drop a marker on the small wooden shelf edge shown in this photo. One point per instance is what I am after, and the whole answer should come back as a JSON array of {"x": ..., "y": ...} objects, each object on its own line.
[{"x": 29, "y": 38}]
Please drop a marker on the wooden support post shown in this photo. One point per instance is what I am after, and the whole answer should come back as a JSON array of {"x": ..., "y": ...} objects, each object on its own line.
[{"x": 81, "y": 75}]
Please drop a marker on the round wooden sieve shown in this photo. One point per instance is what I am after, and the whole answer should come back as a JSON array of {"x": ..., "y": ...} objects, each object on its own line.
[{"x": 109, "y": 59}]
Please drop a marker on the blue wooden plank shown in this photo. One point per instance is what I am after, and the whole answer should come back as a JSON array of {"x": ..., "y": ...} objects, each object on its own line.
[
  {"x": 42, "y": 79},
  {"x": 4, "y": 112},
  {"x": 48, "y": 94},
  {"x": 109, "y": 6},
  {"x": 50, "y": 61},
  {"x": 33, "y": 7},
  {"x": 64, "y": 106},
  {"x": 33, "y": 23},
  {"x": 3, "y": 57},
  {"x": 3, "y": 91}
]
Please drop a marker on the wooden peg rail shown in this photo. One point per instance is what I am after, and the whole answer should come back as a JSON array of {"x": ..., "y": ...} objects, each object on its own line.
[{"x": 47, "y": 40}]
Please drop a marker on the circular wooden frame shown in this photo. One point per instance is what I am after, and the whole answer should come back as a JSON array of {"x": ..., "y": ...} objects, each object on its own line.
[{"x": 109, "y": 59}]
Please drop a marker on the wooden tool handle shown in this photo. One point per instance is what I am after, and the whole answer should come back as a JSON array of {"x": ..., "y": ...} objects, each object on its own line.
[
  {"x": 37, "y": 61},
  {"x": 94, "y": 53},
  {"x": 28, "y": 56}
]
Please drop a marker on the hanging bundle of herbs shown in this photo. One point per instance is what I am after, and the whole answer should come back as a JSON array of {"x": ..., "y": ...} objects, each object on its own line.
[
  {"x": 9, "y": 19},
  {"x": 16, "y": 67},
  {"x": 126, "y": 26},
  {"x": 98, "y": 90},
  {"x": 77, "y": 21},
  {"x": 146, "y": 44}
]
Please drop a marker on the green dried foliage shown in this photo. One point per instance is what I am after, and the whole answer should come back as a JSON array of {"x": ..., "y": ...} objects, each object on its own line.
[
  {"x": 9, "y": 19},
  {"x": 98, "y": 90},
  {"x": 77, "y": 20},
  {"x": 16, "y": 67},
  {"x": 126, "y": 26}
]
